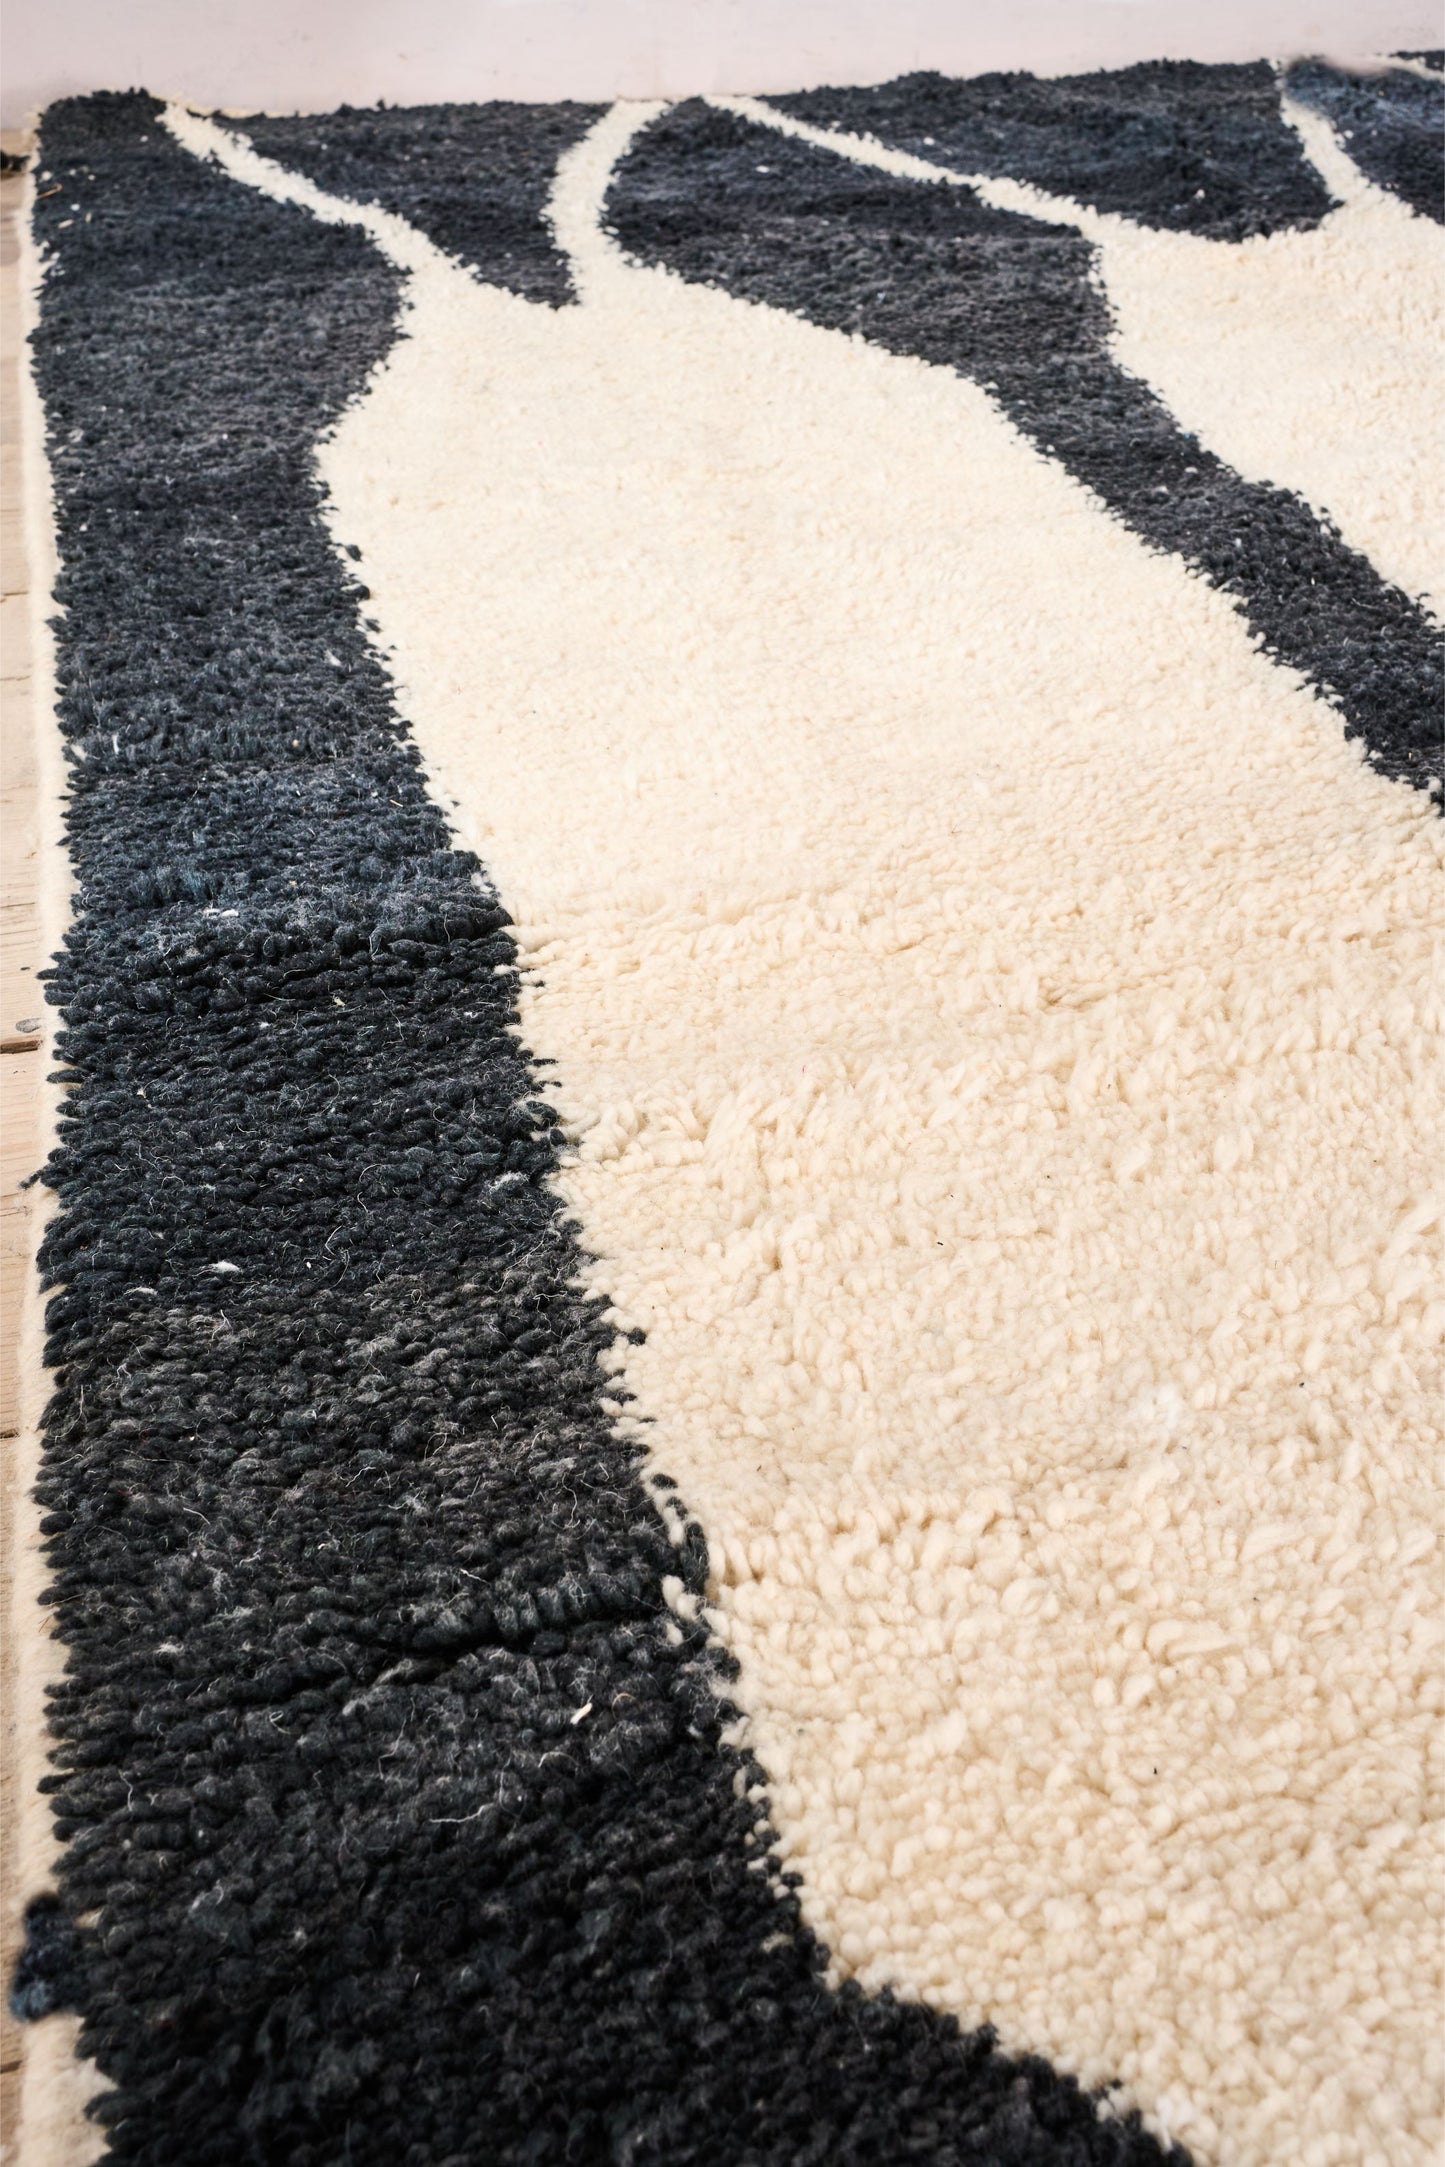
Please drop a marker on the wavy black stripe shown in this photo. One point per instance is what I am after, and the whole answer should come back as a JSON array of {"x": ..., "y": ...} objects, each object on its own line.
[
  {"x": 930, "y": 270},
  {"x": 1179, "y": 145},
  {"x": 342, "y": 1540},
  {"x": 473, "y": 178},
  {"x": 1392, "y": 124}
]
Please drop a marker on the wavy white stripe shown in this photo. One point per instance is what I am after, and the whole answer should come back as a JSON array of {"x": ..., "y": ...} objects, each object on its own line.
[
  {"x": 1388, "y": 63},
  {"x": 995, "y": 1006},
  {"x": 1304, "y": 359}
]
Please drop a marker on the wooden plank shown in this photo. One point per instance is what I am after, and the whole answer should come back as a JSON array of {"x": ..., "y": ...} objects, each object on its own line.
[{"x": 20, "y": 1077}]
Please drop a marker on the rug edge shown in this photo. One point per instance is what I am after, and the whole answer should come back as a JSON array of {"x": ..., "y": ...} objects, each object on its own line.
[{"x": 55, "y": 2087}]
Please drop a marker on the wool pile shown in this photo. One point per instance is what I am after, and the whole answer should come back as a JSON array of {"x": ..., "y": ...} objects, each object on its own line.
[{"x": 746, "y": 1291}]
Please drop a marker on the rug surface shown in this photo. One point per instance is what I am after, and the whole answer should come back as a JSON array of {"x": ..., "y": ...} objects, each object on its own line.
[{"x": 746, "y": 1289}]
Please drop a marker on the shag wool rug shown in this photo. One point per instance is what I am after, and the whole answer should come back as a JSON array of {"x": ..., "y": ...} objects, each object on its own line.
[{"x": 743, "y": 1314}]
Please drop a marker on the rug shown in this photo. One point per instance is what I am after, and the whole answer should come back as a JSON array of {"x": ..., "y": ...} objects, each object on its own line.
[{"x": 745, "y": 1296}]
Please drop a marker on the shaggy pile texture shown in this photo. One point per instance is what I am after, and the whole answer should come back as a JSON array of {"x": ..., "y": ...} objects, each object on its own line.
[{"x": 746, "y": 1290}]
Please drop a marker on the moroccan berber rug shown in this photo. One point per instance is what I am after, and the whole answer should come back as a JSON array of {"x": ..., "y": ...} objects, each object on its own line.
[{"x": 744, "y": 1303}]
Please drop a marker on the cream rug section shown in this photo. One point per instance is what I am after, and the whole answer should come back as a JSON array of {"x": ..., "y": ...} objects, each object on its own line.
[
  {"x": 996, "y": 1010},
  {"x": 1305, "y": 357}
]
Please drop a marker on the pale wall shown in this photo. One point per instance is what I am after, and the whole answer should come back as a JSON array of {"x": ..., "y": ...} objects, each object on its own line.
[{"x": 308, "y": 55}]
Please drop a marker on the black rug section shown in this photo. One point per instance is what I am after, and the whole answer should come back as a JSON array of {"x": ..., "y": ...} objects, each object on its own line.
[
  {"x": 1173, "y": 144},
  {"x": 930, "y": 270},
  {"x": 473, "y": 178},
  {"x": 398, "y": 1825},
  {"x": 1392, "y": 124}
]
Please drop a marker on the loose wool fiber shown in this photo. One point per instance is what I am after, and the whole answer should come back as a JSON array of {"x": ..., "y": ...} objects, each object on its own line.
[{"x": 992, "y": 1006}]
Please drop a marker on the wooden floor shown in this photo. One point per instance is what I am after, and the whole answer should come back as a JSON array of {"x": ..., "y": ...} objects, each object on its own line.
[
  {"x": 21, "y": 1061},
  {"x": 21, "y": 1005}
]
